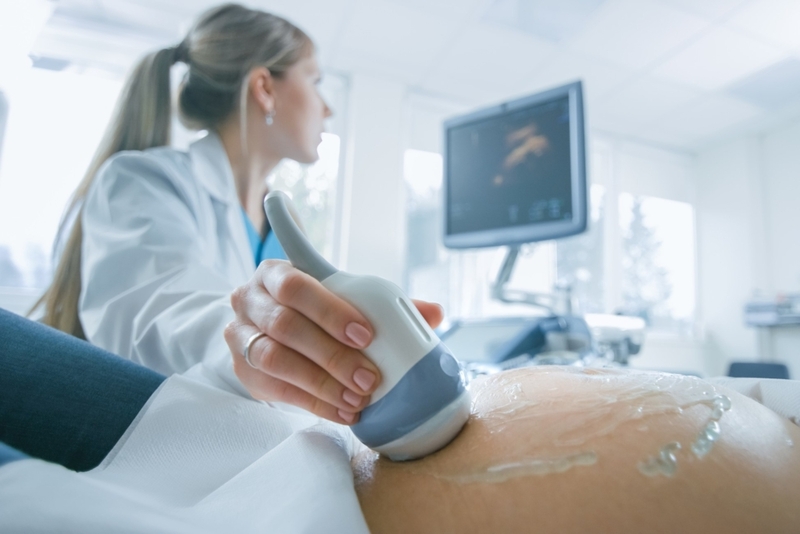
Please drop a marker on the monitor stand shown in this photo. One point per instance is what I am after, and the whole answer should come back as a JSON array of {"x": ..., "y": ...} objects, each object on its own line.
[
  {"x": 557, "y": 303},
  {"x": 559, "y": 337},
  {"x": 559, "y": 332}
]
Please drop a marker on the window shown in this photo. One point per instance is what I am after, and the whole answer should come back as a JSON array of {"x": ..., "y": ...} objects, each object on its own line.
[
  {"x": 49, "y": 141},
  {"x": 580, "y": 259},
  {"x": 658, "y": 261},
  {"x": 312, "y": 188}
]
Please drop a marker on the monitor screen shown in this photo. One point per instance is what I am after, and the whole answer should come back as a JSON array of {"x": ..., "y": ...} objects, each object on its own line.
[{"x": 514, "y": 173}]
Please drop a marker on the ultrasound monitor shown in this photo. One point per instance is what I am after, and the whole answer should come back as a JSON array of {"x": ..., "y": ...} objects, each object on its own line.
[{"x": 516, "y": 172}]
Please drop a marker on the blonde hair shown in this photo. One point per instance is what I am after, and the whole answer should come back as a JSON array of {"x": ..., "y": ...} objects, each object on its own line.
[{"x": 221, "y": 49}]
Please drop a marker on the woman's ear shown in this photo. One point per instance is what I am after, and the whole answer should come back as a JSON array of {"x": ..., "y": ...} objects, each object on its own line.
[{"x": 261, "y": 85}]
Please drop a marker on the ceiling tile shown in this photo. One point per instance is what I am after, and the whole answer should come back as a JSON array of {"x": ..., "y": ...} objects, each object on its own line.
[
  {"x": 388, "y": 69},
  {"x": 459, "y": 9},
  {"x": 554, "y": 20},
  {"x": 405, "y": 38},
  {"x": 717, "y": 59},
  {"x": 710, "y": 9},
  {"x": 635, "y": 33},
  {"x": 774, "y": 87},
  {"x": 661, "y": 138},
  {"x": 463, "y": 90},
  {"x": 487, "y": 59},
  {"x": 776, "y": 21},
  {"x": 321, "y": 19},
  {"x": 641, "y": 102},
  {"x": 709, "y": 116},
  {"x": 565, "y": 66}
]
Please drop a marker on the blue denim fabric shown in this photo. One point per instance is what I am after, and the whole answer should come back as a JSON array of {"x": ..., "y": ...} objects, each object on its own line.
[
  {"x": 62, "y": 399},
  {"x": 8, "y": 455}
]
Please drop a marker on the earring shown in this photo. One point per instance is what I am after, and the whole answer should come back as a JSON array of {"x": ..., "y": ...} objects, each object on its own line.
[{"x": 269, "y": 118}]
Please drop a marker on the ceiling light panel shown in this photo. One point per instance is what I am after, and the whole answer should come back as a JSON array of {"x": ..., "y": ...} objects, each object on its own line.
[
  {"x": 719, "y": 58},
  {"x": 636, "y": 33},
  {"x": 166, "y": 18},
  {"x": 115, "y": 56},
  {"x": 100, "y": 39}
]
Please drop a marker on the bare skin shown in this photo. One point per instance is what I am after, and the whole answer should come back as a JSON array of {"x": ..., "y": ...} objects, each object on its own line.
[
  {"x": 298, "y": 114},
  {"x": 495, "y": 476}
]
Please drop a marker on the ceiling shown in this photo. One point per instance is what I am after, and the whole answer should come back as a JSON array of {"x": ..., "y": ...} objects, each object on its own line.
[{"x": 675, "y": 73}]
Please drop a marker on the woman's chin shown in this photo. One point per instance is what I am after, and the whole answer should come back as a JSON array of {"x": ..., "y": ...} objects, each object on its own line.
[
  {"x": 309, "y": 158},
  {"x": 304, "y": 154}
]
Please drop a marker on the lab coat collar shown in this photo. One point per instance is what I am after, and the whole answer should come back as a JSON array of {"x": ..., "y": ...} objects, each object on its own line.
[
  {"x": 213, "y": 171},
  {"x": 212, "y": 168}
]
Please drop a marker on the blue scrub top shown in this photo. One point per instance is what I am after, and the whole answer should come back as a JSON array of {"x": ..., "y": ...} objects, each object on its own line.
[{"x": 268, "y": 249}]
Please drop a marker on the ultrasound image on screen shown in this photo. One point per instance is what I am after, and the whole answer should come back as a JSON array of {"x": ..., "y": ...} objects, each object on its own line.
[{"x": 510, "y": 170}]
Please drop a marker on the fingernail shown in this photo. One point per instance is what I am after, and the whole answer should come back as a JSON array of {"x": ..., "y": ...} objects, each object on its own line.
[
  {"x": 347, "y": 416},
  {"x": 364, "y": 378},
  {"x": 357, "y": 334},
  {"x": 352, "y": 398}
]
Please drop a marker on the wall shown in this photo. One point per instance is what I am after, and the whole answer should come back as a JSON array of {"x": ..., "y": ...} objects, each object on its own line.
[
  {"x": 781, "y": 171},
  {"x": 3, "y": 121},
  {"x": 727, "y": 216},
  {"x": 372, "y": 236},
  {"x": 748, "y": 191}
]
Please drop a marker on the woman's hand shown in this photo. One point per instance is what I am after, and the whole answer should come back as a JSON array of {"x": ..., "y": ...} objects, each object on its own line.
[{"x": 310, "y": 356}]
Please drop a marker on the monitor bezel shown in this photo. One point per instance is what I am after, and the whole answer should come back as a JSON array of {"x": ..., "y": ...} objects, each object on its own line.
[{"x": 517, "y": 235}]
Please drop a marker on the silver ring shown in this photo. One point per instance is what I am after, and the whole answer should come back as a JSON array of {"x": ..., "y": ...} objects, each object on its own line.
[{"x": 249, "y": 344}]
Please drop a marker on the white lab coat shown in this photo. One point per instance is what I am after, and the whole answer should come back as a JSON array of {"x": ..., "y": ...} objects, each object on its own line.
[
  {"x": 164, "y": 245},
  {"x": 197, "y": 458}
]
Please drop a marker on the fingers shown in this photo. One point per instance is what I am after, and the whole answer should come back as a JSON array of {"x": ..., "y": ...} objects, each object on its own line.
[
  {"x": 284, "y": 365},
  {"x": 268, "y": 388},
  {"x": 310, "y": 355},
  {"x": 308, "y": 296},
  {"x": 297, "y": 311},
  {"x": 293, "y": 330},
  {"x": 430, "y": 311},
  {"x": 301, "y": 362}
]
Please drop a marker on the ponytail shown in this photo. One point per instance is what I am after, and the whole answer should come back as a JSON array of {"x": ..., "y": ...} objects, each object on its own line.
[
  {"x": 141, "y": 120},
  {"x": 223, "y": 46}
]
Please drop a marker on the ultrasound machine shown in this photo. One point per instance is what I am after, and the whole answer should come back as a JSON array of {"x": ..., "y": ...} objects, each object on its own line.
[{"x": 515, "y": 173}]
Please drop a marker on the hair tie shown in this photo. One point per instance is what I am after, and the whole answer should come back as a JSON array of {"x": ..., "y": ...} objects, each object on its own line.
[{"x": 180, "y": 52}]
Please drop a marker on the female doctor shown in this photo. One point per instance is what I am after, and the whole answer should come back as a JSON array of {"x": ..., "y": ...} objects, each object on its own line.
[{"x": 170, "y": 250}]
